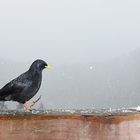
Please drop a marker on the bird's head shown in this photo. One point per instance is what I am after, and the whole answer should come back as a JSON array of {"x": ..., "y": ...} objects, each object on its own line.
[{"x": 39, "y": 65}]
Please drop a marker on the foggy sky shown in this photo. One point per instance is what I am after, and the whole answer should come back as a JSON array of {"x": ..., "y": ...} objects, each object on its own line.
[
  {"x": 75, "y": 31},
  {"x": 68, "y": 31}
]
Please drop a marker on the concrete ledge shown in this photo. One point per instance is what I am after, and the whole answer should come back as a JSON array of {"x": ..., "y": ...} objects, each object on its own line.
[{"x": 69, "y": 125}]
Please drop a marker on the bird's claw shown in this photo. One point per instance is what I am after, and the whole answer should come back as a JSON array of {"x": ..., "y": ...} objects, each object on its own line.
[{"x": 27, "y": 108}]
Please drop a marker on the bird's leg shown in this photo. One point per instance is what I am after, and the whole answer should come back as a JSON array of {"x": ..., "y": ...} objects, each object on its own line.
[
  {"x": 35, "y": 101},
  {"x": 28, "y": 104}
]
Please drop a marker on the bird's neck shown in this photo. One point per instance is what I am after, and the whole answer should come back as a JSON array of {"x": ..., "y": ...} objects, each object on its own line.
[{"x": 35, "y": 72}]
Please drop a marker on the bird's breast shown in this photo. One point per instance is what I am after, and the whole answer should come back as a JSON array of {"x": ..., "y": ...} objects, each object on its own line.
[
  {"x": 36, "y": 83},
  {"x": 33, "y": 87}
]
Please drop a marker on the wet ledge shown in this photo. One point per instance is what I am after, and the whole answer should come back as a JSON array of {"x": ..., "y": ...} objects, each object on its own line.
[
  {"x": 61, "y": 113},
  {"x": 122, "y": 124}
]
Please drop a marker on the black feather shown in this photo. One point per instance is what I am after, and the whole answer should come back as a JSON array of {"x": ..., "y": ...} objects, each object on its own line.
[{"x": 24, "y": 87}]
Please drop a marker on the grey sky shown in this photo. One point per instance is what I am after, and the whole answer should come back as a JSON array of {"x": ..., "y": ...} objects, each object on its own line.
[
  {"x": 75, "y": 31},
  {"x": 68, "y": 31}
]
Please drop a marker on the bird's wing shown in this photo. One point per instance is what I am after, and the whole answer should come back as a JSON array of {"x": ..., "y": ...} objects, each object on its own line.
[{"x": 11, "y": 88}]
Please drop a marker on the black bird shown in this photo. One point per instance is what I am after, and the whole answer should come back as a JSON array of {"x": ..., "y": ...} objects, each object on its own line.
[{"x": 24, "y": 87}]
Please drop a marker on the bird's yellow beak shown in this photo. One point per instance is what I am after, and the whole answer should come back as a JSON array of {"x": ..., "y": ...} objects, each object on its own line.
[{"x": 49, "y": 66}]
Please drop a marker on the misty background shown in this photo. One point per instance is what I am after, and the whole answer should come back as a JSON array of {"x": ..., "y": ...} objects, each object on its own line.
[{"x": 93, "y": 46}]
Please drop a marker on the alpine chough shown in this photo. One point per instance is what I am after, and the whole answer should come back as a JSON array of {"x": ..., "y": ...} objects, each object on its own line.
[{"x": 24, "y": 87}]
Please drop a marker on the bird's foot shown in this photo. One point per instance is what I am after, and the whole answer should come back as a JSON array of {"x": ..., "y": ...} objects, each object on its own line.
[{"x": 28, "y": 104}]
